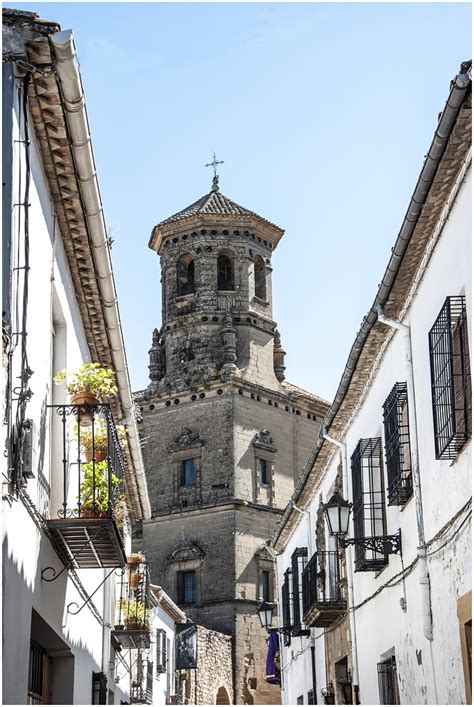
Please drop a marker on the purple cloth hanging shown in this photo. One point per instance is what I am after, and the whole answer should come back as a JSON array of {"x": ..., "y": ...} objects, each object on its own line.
[{"x": 272, "y": 671}]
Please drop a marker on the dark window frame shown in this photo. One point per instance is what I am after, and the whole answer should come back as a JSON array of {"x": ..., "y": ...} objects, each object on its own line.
[
  {"x": 287, "y": 605},
  {"x": 183, "y": 482},
  {"x": 397, "y": 446},
  {"x": 185, "y": 276},
  {"x": 299, "y": 559},
  {"x": 388, "y": 681},
  {"x": 448, "y": 342},
  {"x": 368, "y": 500},
  {"x": 186, "y": 594},
  {"x": 263, "y": 478},
  {"x": 266, "y": 585}
]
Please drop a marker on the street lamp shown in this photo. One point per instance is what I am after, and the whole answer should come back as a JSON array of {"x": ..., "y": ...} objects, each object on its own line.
[
  {"x": 337, "y": 512},
  {"x": 265, "y": 613}
]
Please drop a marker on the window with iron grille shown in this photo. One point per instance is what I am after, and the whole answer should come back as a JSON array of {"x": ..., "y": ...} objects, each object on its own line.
[
  {"x": 161, "y": 657},
  {"x": 298, "y": 561},
  {"x": 397, "y": 445},
  {"x": 368, "y": 502},
  {"x": 99, "y": 689},
  {"x": 388, "y": 682},
  {"x": 36, "y": 674},
  {"x": 186, "y": 582},
  {"x": 287, "y": 605},
  {"x": 450, "y": 378},
  {"x": 149, "y": 682}
]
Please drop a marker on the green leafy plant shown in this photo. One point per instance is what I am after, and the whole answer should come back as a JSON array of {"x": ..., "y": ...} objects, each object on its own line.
[
  {"x": 91, "y": 378},
  {"x": 121, "y": 510},
  {"x": 94, "y": 489},
  {"x": 100, "y": 436},
  {"x": 133, "y": 612}
]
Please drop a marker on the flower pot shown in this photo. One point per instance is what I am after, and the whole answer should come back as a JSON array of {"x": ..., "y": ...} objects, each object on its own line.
[
  {"x": 132, "y": 623},
  {"x": 133, "y": 579},
  {"x": 86, "y": 413},
  {"x": 100, "y": 456},
  {"x": 87, "y": 512}
]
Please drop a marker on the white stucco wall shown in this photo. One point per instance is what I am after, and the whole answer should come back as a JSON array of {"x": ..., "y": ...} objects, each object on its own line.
[
  {"x": 429, "y": 672},
  {"x": 26, "y": 550}
]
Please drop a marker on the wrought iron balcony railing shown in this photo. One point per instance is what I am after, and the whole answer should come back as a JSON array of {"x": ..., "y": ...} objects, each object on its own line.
[
  {"x": 86, "y": 523},
  {"x": 323, "y": 594},
  {"x": 133, "y": 613}
]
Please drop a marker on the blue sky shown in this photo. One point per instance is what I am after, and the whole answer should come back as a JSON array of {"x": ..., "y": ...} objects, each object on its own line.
[{"x": 323, "y": 113}]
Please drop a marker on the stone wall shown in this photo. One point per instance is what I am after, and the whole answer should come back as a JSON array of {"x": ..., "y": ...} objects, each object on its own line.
[{"x": 211, "y": 682}]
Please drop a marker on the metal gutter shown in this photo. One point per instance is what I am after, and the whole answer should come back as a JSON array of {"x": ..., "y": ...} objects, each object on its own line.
[
  {"x": 459, "y": 88},
  {"x": 73, "y": 98}
]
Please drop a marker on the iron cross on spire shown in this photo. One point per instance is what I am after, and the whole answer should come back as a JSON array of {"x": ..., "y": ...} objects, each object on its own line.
[{"x": 215, "y": 180}]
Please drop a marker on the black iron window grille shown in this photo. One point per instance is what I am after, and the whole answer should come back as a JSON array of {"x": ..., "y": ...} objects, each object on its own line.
[
  {"x": 450, "y": 378},
  {"x": 323, "y": 593},
  {"x": 397, "y": 445},
  {"x": 388, "y": 682},
  {"x": 298, "y": 562},
  {"x": 287, "y": 605},
  {"x": 149, "y": 682},
  {"x": 35, "y": 674},
  {"x": 368, "y": 502},
  {"x": 161, "y": 654},
  {"x": 99, "y": 689},
  {"x": 186, "y": 585}
]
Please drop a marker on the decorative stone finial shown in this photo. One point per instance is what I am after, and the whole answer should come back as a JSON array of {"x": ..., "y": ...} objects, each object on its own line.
[
  {"x": 278, "y": 357},
  {"x": 156, "y": 353}
]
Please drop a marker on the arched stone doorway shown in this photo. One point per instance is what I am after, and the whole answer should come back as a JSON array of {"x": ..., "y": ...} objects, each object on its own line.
[{"x": 222, "y": 697}]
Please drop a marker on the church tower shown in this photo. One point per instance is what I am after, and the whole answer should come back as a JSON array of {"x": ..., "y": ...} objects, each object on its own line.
[{"x": 224, "y": 435}]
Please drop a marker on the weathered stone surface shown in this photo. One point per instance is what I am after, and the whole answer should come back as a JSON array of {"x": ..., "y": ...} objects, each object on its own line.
[{"x": 217, "y": 396}]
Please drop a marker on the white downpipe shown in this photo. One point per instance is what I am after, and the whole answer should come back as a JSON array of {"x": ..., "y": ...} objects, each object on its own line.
[
  {"x": 73, "y": 96},
  {"x": 423, "y": 577},
  {"x": 349, "y": 565},
  {"x": 308, "y": 528}
]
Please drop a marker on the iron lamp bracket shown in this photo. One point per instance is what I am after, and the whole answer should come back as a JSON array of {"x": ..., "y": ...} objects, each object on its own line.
[{"x": 383, "y": 544}]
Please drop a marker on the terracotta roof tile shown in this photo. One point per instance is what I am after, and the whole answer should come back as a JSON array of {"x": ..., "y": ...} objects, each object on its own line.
[{"x": 212, "y": 203}]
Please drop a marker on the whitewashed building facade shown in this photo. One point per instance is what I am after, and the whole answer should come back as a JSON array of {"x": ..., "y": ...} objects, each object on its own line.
[
  {"x": 389, "y": 621},
  {"x": 59, "y": 310}
]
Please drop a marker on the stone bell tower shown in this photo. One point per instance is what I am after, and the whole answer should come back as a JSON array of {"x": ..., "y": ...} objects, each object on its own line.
[{"x": 224, "y": 435}]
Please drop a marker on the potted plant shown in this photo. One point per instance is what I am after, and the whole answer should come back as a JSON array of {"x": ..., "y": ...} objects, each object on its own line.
[
  {"x": 98, "y": 441},
  {"x": 135, "y": 616},
  {"x": 120, "y": 511},
  {"x": 134, "y": 561},
  {"x": 94, "y": 489},
  {"x": 91, "y": 383}
]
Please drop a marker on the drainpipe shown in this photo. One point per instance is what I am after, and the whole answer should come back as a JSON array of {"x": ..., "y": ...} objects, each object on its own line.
[
  {"x": 308, "y": 531},
  {"x": 67, "y": 67},
  {"x": 424, "y": 577},
  {"x": 350, "y": 582}
]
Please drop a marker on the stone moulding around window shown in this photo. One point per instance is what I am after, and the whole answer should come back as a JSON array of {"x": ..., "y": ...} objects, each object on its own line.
[
  {"x": 187, "y": 445},
  {"x": 264, "y": 448},
  {"x": 188, "y": 559}
]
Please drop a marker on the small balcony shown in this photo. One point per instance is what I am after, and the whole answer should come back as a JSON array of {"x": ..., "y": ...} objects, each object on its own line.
[
  {"x": 86, "y": 524},
  {"x": 323, "y": 596},
  {"x": 133, "y": 613}
]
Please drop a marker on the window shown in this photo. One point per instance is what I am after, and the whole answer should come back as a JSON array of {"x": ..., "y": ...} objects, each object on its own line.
[
  {"x": 260, "y": 278},
  {"x": 37, "y": 675},
  {"x": 287, "y": 605},
  {"x": 368, "y": 502},
  {"x": 300, "y": 700},
  {"x": 161, "y": 656},
  {"x": 149, "y": 682},
  {"x": 186, "y": 587},
  {"x": 397, "y": 445},
  {"x": 225, "y": 273},
  {"x": 263, "y": 475},
  {"x": 388, "y": 682},
  {"x": 188, "y": 472},
  {"x": 298, "y": 562},
  {"x": 450, "y": 378},
  {"x": 185, "y": 275},
  {"x": 266, "y": 585},
  {"x": 99, "y": 689},
  {"x": 310, "y": 698}
]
